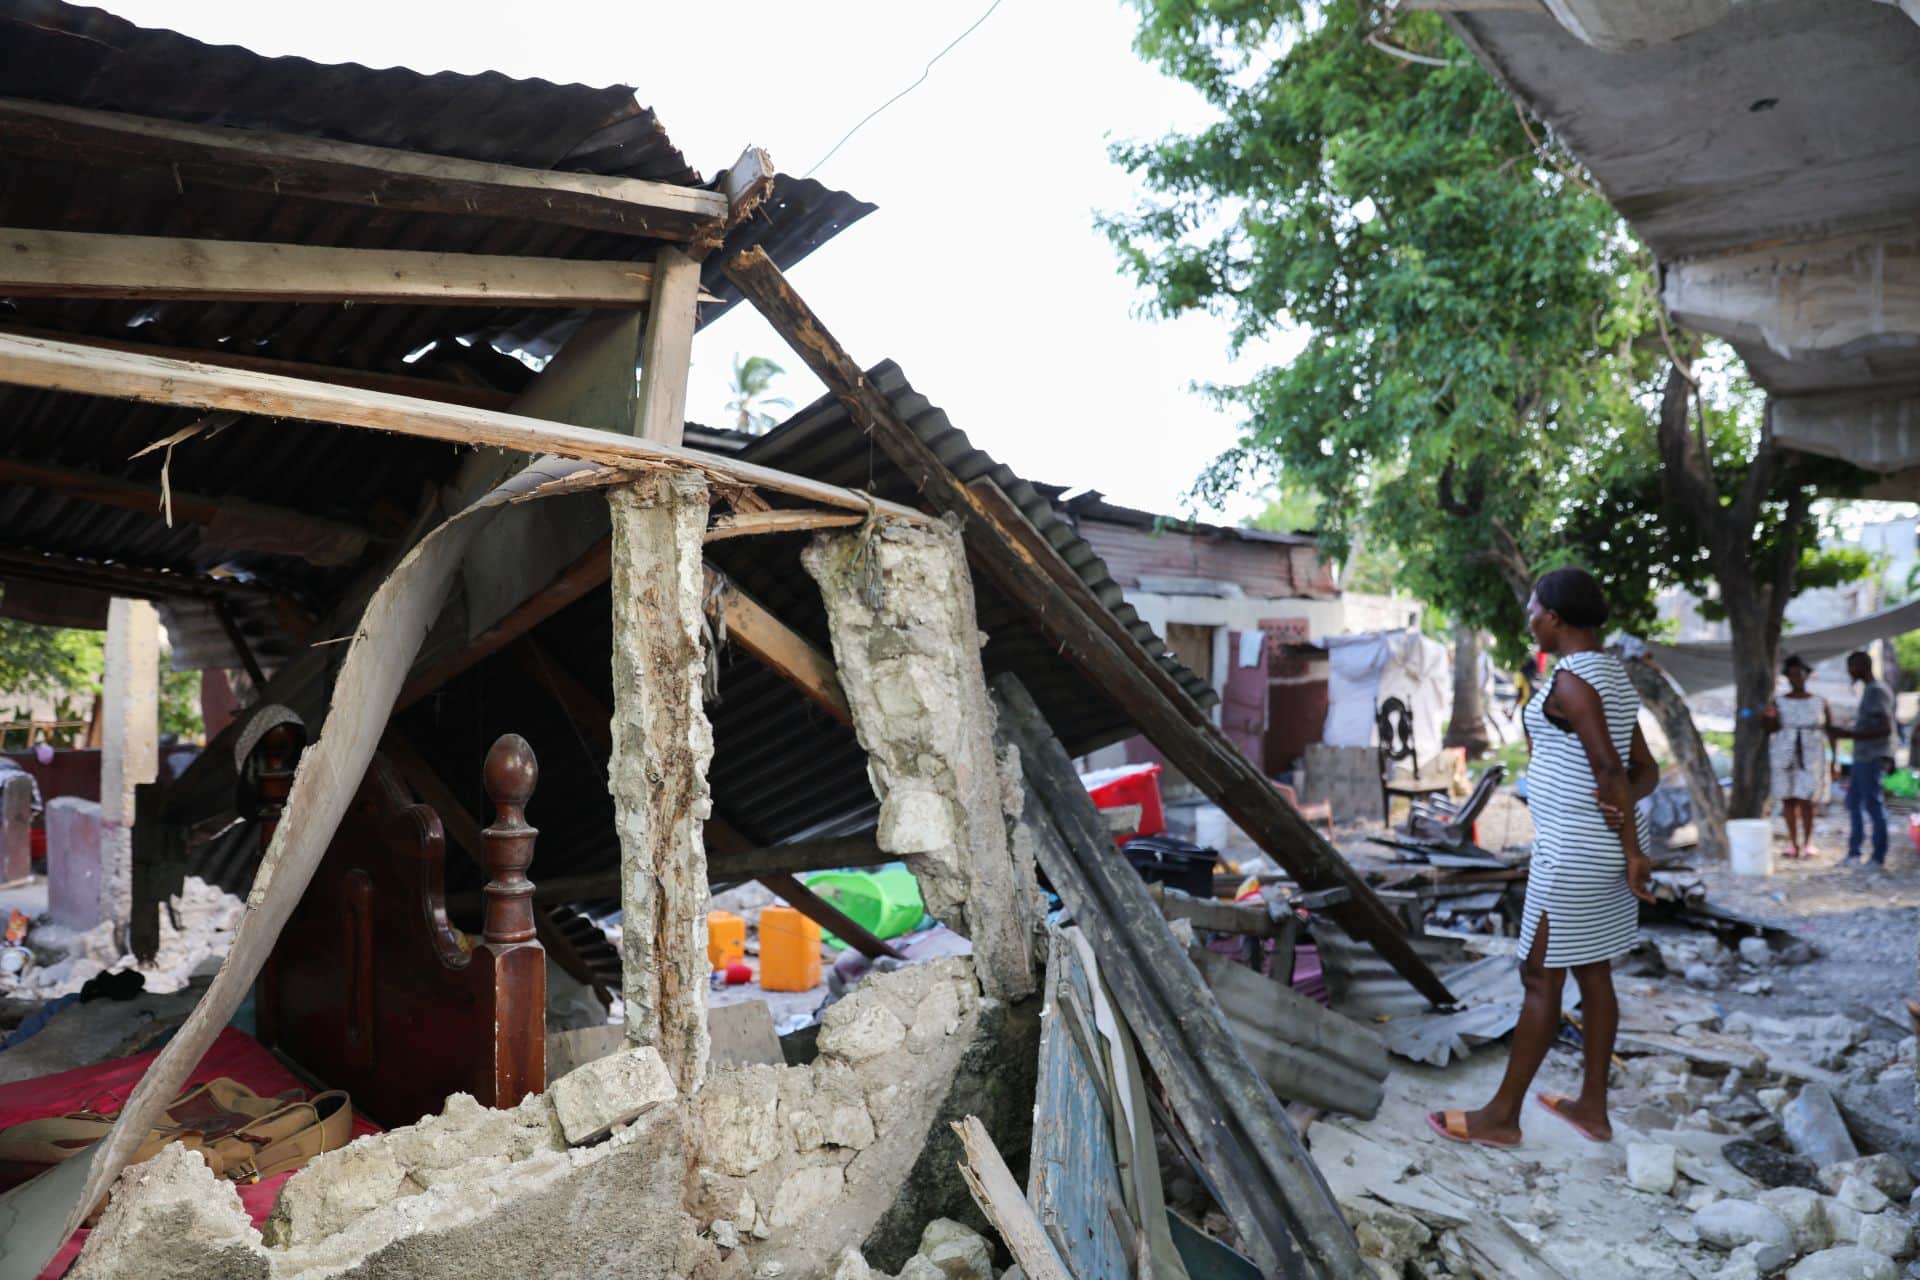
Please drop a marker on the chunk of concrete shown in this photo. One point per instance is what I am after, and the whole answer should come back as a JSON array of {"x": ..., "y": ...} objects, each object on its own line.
[
  {"x": 594, "y": 1097},
  {"x": 1857, "y": 1193},
  {"x": 959, "y": 1252},
  {"x": 1803, "y": 1212},
  {"x": 850, "y": 1265},
  {"x": 1885, "y": 1171},
  {"x": 1756, "y": 952},
  {"x": 172, "y": 1217},
  {"x": 1844, "y": 1262},
  {"x": 1886, "y": 1233},
  {"x": 1814, "y": 1128},
  {"x": 1842, "y": 1221},
  {"x": 855, "y": 1030},
  {"x": 1728, "y": 1224},
  {"x": 1651, "y": 1167},
  {"x": 1765, "y": 1258}
]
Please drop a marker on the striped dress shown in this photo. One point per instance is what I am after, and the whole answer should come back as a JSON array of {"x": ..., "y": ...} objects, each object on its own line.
[{"x": 1578, "y": 877}]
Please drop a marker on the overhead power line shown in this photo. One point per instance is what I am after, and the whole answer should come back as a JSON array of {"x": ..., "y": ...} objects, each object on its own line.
[{"x": 924, "y": 72}]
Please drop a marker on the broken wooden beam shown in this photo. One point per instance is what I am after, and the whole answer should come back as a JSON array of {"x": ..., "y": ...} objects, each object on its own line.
[
  {"x": 781, "y": 520},
  {"x": 1250, "y": 1154},
  {"x": 65, "y": 366},
  {"x": 379, "y": 178},
  {"x": 768, "y": 640},
  {"x": 1084, "y": 631},
  {"x": 829, "y": 917},
  {"x": 1005, "y": 1205}
]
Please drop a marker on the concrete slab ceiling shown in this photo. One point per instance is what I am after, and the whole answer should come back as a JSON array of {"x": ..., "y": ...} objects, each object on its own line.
[{"x": 1768, "y": 151}]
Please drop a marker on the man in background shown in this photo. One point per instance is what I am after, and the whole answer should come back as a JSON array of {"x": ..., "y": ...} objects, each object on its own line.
[{"x": 1873, "y": 743}]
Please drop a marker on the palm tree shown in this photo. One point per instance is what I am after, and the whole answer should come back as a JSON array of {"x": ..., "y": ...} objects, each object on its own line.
[{"x": 752, "y": 375}]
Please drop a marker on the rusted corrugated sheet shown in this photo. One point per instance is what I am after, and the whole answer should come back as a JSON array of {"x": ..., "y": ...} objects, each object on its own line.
[{"x": 69, "y": 55}]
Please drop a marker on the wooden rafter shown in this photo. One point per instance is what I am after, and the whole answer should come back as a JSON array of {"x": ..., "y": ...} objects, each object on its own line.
[
  {"x": 132, "y": 581},
  {"x": 64, "y": 366},
  {"x": 398, "y": 384},
  {"x": 351, "y": 173},
  {"x": 85, "y": 264},
  {"x": 757, "y": 630},
  {"x": 276, "y": 529}
]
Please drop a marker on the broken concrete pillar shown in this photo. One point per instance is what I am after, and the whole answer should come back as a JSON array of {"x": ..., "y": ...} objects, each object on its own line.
[
  {"x": 130, "y": 746},
  {"x": 16, "y": 827},
  {"x": 662, "y": 745},
  {"x": 905, "y": 640},
  {"x": 73, "y": 862}
]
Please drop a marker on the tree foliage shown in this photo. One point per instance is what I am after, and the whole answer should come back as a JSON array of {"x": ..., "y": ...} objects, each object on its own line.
[
  {"x": 1481, "y": 372},
  {"x": 752, "y": 381}
]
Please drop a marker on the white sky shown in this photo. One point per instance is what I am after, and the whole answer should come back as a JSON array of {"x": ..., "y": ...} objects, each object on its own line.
[{"x": 981, "y": 272}]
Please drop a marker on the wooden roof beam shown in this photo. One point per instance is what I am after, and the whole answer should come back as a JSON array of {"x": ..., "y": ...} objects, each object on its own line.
[
  {"x": 87, "y": 371},
  {"x": 233, "y": 523},
  {"x": 85, "y": 264},
  {"x": 399, "y": 384},
  {"x": 382, "y": 178}
]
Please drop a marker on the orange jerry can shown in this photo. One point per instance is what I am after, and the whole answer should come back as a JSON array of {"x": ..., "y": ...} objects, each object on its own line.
[
  {"x": 726, "y": 939},
  {"x": 789, "y": 950}
]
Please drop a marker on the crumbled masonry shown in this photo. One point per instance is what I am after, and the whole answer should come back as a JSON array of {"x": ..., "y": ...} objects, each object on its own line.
[{"x": 901, "y": 609}]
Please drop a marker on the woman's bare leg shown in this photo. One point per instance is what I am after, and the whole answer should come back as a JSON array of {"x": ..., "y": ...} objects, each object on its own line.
[
  {"x": 1533, "y": 1035},
  {"x": 1599, "y": 1025}
]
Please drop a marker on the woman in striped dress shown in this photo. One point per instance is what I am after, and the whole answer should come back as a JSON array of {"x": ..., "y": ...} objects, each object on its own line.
[{"x": 1590, "y": 765}]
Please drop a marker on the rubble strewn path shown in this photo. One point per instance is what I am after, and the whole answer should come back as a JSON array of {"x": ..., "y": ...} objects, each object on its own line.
[{"x": 1746, "y": 1111}]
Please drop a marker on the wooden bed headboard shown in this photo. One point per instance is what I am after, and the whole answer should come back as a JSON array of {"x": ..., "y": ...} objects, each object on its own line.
[{"x": 371, "y": 989}]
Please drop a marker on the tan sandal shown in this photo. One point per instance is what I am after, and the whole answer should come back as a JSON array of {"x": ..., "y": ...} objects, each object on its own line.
[{"x": 1452, "y": 1125}]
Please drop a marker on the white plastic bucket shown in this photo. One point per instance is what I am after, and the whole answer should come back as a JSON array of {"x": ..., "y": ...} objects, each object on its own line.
[{"x": 1750, "y": 846}]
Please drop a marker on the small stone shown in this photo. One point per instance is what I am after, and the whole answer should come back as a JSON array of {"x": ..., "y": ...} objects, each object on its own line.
[
  {"x": 1886, "y": 1233},
  {"x": 1739, "y": 1267},
  {"x": 1386, "y": 1232},
  {"x": 1845, "y": 1262},
  {"x": 1542, "y": 1210},
  {"x": 919, "y": 1268},
  {"x": 1767, "y": 1258},
  {"x": 724, "y": 1233},
  {"x": 1728, "y": 1224},
  {"x": 850, "y": 1265},
  {"x": 595, "y": 1096},
  {"x": 1756, "y": 987},
  {"x": 1756, "y": 952},
  {"x": 1700, "y": 975},
  {"x": 1803, "y": 1212},
  {"x": 1700, "y": 1197},
  {"x": 959, "y": 1252},
  {"x": 1884, "y": 1171},
  {"x": 1650, "y": 1167},
  {"x": 855, "y": 1029},
  {"x": 1773, "y": 1099},
  {"x": 1857, "y": 1193},
  {"x": 1769, "y": 1167},
  {"x": 1842, "y": 1220},
  {"x": 1815, "y": 1129}
]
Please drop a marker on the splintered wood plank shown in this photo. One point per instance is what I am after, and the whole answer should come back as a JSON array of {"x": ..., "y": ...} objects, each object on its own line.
[
  {"x": 998, "y": 1196},
  {"x": 82, "y": 370}
]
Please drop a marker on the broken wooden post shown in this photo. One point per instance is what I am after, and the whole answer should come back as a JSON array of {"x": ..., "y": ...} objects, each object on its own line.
[
  {"x": 1021, "y": 563},
  {"x": 662, "y": 745},
  {"x": 907, "y": 650}
]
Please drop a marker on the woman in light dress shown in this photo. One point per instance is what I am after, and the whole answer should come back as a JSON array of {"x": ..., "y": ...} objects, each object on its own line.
[{"x": 1797, "y": 721}]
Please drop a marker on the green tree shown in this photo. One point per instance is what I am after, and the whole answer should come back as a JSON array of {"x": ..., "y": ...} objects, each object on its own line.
[
  {"x": 752, "y": 378},
  {"x": 1481, "y": 385}
]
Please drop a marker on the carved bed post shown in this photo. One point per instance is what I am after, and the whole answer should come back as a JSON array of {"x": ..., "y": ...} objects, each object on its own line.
[{"x": 516, "y": 976}]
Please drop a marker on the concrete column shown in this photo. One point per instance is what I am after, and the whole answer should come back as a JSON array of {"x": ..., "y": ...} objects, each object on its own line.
[
  {"x": 130, "y": 749},
  {"x": 907, "y": 646},
  {"x": 662, "y": 745}
]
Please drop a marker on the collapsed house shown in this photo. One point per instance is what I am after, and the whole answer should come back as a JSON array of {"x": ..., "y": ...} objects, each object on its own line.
[{"x": 474, "y": 600}]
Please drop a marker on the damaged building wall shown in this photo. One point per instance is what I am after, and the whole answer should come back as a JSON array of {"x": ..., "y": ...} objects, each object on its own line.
[
  {"x": 901, "y": 610},
  {"x": 662, "y": 744}
]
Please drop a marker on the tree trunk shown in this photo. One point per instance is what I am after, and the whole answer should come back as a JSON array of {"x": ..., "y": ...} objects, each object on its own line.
[
  {"x": 1689, "y": 752},
  {"x": 1468, "y": 725},
  {"x": 1754, "y": 644}
]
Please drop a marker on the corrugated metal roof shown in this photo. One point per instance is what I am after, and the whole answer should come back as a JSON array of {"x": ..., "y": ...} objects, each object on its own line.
[
  {"x": 782, "y": 769},
  {"x": 75, "y": 56}
]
